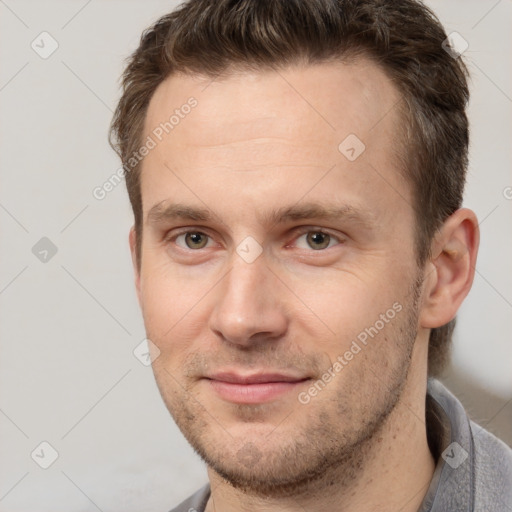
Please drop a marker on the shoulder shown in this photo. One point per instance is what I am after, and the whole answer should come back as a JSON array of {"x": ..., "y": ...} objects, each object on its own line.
[
  {"x": 474, "y": 469},
  {"x": 492, "y": 471},
  {"x": 196, "y": 502}
]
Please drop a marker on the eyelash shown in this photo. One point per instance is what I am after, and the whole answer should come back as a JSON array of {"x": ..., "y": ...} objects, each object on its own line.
[{"x": 298, "y": 234}]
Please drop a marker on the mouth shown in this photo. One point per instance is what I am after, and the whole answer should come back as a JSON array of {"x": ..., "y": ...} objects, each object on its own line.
[{"x": 255, "y": 388}]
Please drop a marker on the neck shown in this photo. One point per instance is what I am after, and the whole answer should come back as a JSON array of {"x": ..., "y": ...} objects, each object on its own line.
[{"x": 392, "y": 472}]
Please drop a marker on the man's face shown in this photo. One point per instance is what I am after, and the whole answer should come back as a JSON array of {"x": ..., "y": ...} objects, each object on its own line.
[{"x": 268, "y": 284}]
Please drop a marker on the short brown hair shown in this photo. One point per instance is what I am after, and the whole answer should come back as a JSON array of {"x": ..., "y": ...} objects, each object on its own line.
[{"x": 212, "y": 37}]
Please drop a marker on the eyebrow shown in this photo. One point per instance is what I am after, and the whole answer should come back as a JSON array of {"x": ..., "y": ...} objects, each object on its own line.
[{"x": 162, "y": 212}]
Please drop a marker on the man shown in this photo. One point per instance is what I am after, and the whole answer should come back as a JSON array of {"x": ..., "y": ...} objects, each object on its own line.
[{"x": 296, "y": 171}]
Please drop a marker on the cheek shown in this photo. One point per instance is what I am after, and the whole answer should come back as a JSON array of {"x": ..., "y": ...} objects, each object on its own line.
[
  {"x": 344, "y": 304},
  {"x": 173, "y": 309}
]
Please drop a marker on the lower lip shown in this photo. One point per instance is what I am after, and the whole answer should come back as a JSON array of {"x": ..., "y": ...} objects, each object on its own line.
[{"x": 252, "y": 393}]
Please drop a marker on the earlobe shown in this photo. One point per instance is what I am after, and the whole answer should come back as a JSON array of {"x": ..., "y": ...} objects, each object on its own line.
[
  {"x": 452, "y": 268},
  {"x": 136, "y": 268}
]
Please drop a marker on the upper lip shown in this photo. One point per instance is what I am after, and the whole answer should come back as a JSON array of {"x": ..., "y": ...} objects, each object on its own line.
[{"x": 254, "y": 378}]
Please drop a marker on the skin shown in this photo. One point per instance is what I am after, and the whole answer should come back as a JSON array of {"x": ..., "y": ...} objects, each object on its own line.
[{"x": 256, "y": 142}]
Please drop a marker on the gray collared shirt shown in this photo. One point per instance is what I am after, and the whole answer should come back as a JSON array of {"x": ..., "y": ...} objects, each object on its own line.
[{"x": 473, "y": 470}]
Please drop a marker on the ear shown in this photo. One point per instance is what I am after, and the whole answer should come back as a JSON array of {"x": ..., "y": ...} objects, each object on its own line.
[
  {"x": 136, "y": 269},
  {"x": 450, "y": 271}
]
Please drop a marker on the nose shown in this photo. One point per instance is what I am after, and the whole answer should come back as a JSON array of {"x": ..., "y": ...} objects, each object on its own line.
[{"x": 249, "y": 304}]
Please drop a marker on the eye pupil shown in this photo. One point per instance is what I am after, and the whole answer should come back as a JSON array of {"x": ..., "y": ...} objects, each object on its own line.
[
  {"x": 316, "y": 237},
  {"x": 198, "y": 240}
]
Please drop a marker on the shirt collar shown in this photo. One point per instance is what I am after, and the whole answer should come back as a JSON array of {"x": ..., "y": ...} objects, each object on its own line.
[{"x": 451, "y": 442}]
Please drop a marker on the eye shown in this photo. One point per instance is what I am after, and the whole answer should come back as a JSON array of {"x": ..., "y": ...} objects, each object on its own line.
[
  {"x": 192, "y": 240},
  {"x": 316, "y": 240}
]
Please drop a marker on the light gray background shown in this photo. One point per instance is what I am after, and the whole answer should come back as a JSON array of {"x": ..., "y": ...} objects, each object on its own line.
[{"x": 68, "y": 326}]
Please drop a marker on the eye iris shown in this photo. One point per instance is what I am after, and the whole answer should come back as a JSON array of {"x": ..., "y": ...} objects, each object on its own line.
[
  {"x": 198, "y": 240},
  {"x": 321, "y": 240}
]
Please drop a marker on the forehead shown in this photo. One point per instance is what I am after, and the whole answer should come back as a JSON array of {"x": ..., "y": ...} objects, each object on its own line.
[
  {"x": 246, "y": 126},
  {"x": 327, "y": 99}
]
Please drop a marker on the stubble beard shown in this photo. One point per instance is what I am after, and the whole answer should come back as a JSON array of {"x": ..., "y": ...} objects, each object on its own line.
[{"x": 319, "y": 454}]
